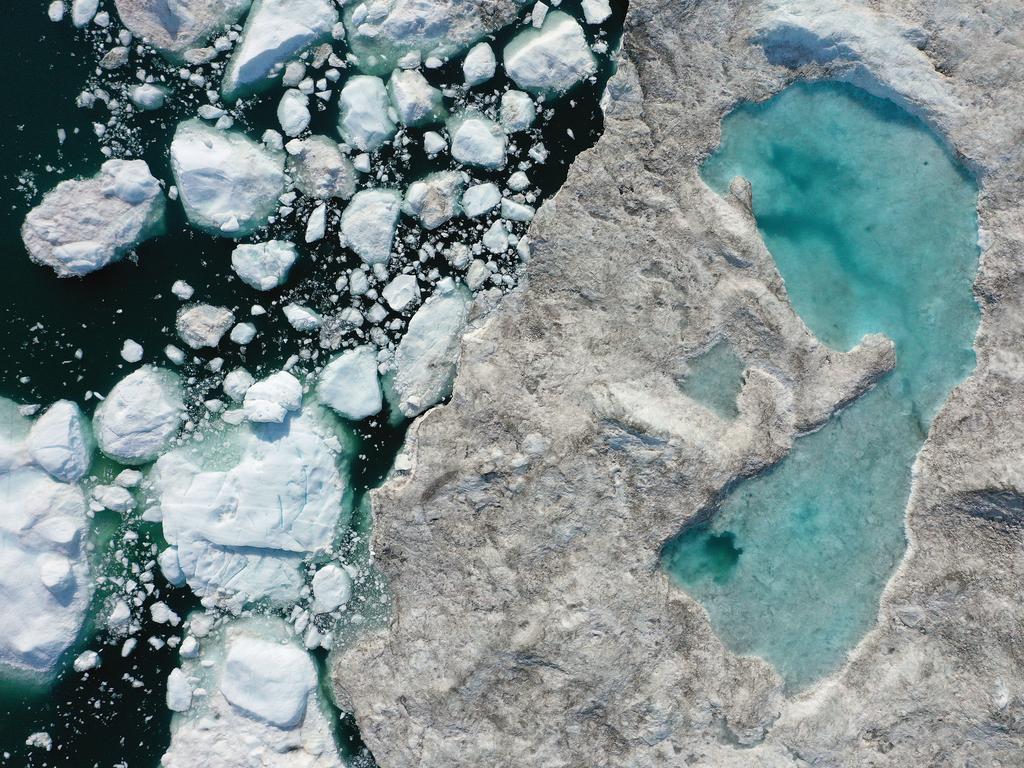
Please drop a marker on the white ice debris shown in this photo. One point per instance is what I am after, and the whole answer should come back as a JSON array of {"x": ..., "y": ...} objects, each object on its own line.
[
  {"x": 243, "y": 333},
  {"x": 302, "y": 319},
  {"x": 55, "y": 10},
  {"x": 416, "y": 101},
  {"x": 316, "y": 224},
  {"x": 140, "y": 416},
  {"x": 332, "y": 588},
  {"x": 245, "y": 506},
  {"x": 261, "y": 707},
  {"x": 179, "y": 691},
  {"x": 368, "y": 224},
  {"x": 86, "y": 660},
  {"x": 538, "y": 13},
  {"x": 131, "y": 351},
  {"x": 148, "y": 97},
  {"x": 551, "y": 59},
  {"x": 176, "y": 26},
  {"x": 84, "y": 224},
  {"x": 228, "y": 183},
  {"x": 495, "y": 239},
  {"x": 349, "y": 384},
  {"x": 271, "y": 399},
  {"x": 293, "y": 112},
  {"x": 83, "y": 11},
  {"x": 435, "y": 199},
  {"x": 513, "y": 211},
  {"x": 401, "y": 292},
  {"x": 203, "y": 325},
  {"x": 182, "y": 290},
  {"x": 170, "y": 567},
  {"x": 60, "y": 441},
  {"x": 427, "y": 357},
  {"x": 596, "y": 11},
  {"x": 478, "y": 141},
  {"x": 237, "y": 383},
  {"x": 275, "y": 32},
  {"x": 319, "y": 169},
  {"x": 264, "y": 266},
  {"x": 44, "y": 574},
  {"x": 363, "y": 119},
  {"x": 480, "y": 198},
  {"x": 433, "y": 143},
  {"x": 479, "y": 65},
  {"x": 517, "y": 111}
]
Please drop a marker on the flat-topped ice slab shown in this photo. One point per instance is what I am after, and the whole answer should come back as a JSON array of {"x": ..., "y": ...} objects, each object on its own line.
[
  {"x": 228, "y": 183},
  {"x": 141, "y": 415},
  {"x": 82, "y": 225},
  {"x": 349, "y": 384},
  {"x": 551, "y": 59}
]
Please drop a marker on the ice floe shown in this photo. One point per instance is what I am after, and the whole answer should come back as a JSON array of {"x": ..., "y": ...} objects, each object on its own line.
[
  {"x": 477, "y": 140},
  {"x": 349, "y": 384},
  {"x": 264, "y": 266},
  {"x": 551, "y": 59},
  {"x": 434, "y": 200},
  {"x": 368, "y": 223},
  {"x": 141, "y": 415},
  {"x": 319, "y": 169},
  {"x": 363, "y": 118}
]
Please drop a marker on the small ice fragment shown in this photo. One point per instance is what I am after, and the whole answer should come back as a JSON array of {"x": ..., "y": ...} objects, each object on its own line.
[
  {"x": 514, "y": 211},
  {"x": 416, "y": 101},
  {"x": 435, "y": 199},
  {"x": 363, "y": 119},
  {"x": 61, "y": 443},
  {"x": 264, "y": 266},
  {"x": 142, "y": 413},
  {"x": 293, "y": 112},
  {"x": 83, "y": 11},
  {"x": 480, "y": 198},
  {"x": 478, "y": 141},
  {"x": 268, "y": 681},
  {"x": 401, "y": 292},
  {"x": 148, "y": 97},
  {"x": 270, "y": 399},
  {"x": 368, "y": 223},
  {"x": 596, "y": 11},
  {"x": 203, "y": 325},
  {"x": 56, "y": 10},
  {"x": 131, "y": 351},
  {"x": 349, "y": 385},
  {"x": 479, "y": 65},
  {"x": 170, "y": 567},
  {"x": 540, "y": 10},
  {"x": 332, "y": 588},
  {"x": 434, "y": 143},
  {"x": 237, "y": 383},
  {"x": 495, "y": 239},
  {"x": 182, "y": 290},
  {"x": 243, "y": 333},
  {"x": 316, "y": 225},
  {"x": 86, "y": 660},
  {"x": 179, "y": 691},
  {"x": 551, "y": 59},
  {"x": 302, "y": 318}
]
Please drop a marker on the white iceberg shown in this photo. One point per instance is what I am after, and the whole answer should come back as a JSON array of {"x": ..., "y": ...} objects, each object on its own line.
[
  {"x": 228, "y": 184},
  {"x": 477, "y": 140},
  {"x": 402, "y": 291},
  {"x": 363, "y": 118},
  {"x": 60, "y": 441},
  {"x": 551, "y": 59},
  {"x": 517, "y": 111},
  {"x": 332, "y": 588},
  {"x": 416, "y": 101},
  {"x": 271, "y": 399},
  {"x": 479, "y": 65},
  {"x": 203, "y": 325},
  {"x": 480, "y": 198},
  {"x": 427, "y": 357},
  {"x": 140, "y": 416},
  {"x": 349, "y": 384},
  {"x": 275, "y": 32},
  {"x": 434, "y": 200},
  {"x": 319, "y": 169},
  {"x": 293, "y": 112},
  {"x": 368, "y": 224},
  {"x": 82, "y": 225},
  {"x": 264, "y": 266}
]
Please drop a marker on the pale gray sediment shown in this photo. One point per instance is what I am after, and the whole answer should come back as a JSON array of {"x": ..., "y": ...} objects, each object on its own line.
[{"x": 531, "y": 622}]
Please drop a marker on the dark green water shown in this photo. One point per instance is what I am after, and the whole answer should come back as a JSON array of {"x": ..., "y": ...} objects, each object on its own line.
[
  {"x": 101, "y": 718},
  {"x": 873, "y": 226}
]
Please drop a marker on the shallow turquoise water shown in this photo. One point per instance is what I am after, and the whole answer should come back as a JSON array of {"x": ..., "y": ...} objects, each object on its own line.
[
  {"x": 873, "y": 226},
  {"x": 715, "y": 379}
]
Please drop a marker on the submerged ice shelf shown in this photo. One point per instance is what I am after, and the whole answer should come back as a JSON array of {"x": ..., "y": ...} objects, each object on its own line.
[{"x": 873, "y": 226}]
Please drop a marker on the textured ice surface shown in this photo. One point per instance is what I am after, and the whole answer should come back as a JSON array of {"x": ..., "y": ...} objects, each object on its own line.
[
  {"x": 244, "y": 506},
  {"x": 271, "y": 399},
  {"x": 551, "y": 59},
  {"x": 874, "y": 229},
  {"x": 363, "y": 113},
  {"x": 275, "y": 31},
  {"x": 60, "y": 442},
  {"x": 264, "y": 265},
  {"x": 319, "y": 169},
  {"x": 262, "y": 707},
  {"x": 428, "y": 355},
  {"x": 368, "y": 223},
  {"x": 517, "y": 111},
  {"x": 434, "y": 200},
  {"x": 227, "y": 183},
  {"x": 84, "y": 224},
  {"x": 477, "y": 141},
  {"x": 349, "y": 384},
  {"x": 140, "y": 416},
  {"x": 293, "y": 112},
  {"x": 203, "y": 325},
  {"x": 174, "y": 26},
  {"x": 416, "y": 101},
  {"x": 479, "y": 65}
]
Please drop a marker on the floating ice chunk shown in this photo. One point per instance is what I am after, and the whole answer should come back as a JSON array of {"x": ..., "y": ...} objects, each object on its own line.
[
  {"x": 513, "y": 211},
  {"x": 349, "y": 384},
  {"x": 596, "y": 11},
  {"x": 83, "y": 11},
  {"x": 479, "y": 65},
  {"x": 517, "y": 111},
  {"x": 263, "y": 709},
  {"x": 175, "y": 27},
  {"x": 427, "y": 357},
  {"x": 368, "y": 224},
  {"x": 170, "y": 567},
  {"x": 128, "y": 478},
  {"x": 316, "y": 224},
  {"x": 477, "y": 140},
  {"x": 275, "y": 31},
  {"x": 319, "y": 169},
  {"x": 518, "y": 181},
  {"x": 179, "y": 691},
  {"x": 131, "y": 351},
  {"x": 114, "y": 498},
  {"x": 433, "y": 143},
  {"x": 538, "y": 14},
  {"x": 227, "y": 182},
  {"x": 293, "y": 112},
  {"x": 40, "y": 740},
  {"x": 86, "y": 660},
  {"x": 401, "y": 292},
  {"x": 363, "y": 119},
  {"x": 551, "y": 59},
  {"x": 55, "y": 11},
  {"x": 284, "y": 491},
  {"x": 302, "y": 318},
  {"x": 182, "y": 290},
  {"x": 264, "y": 266},
  {"x": 140, "y": 416},
  {"x": 84, "y": 224},
  {"x": 332, "y": 588},
  {"x": 416, "y": 101},
  {"x": 480, "y": 198},
  {"x": 477, "y": 274},
  {"x": 268, "y": 681},
  {"x": 174, "y": 354},
  {"x": 435, "y": 199},
  {"x": 44, "y": 575},
  {"x": 383, "y": 33},
  {"x": 203, "y": 325},
  {"x": 270, "y": 399},
  {"x": 237, "y": 383},
  {"x": 495, "y": 238},
  {"x": 60, "y": 442},
  {"x": 148, "y": 97},
  {"x": 243, "y": 333}
]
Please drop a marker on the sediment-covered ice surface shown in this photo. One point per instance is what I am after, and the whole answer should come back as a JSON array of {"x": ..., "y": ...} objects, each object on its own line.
[
  {"x": 175, "y": 26},
  {"x": 45, "y": 580},
  {"x": 82, "y": 225},
  {"x": 249, "y": 698}
]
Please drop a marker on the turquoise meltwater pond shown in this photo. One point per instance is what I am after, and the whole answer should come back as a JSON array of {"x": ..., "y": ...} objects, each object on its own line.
[{"x": 873, "y": 226}]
